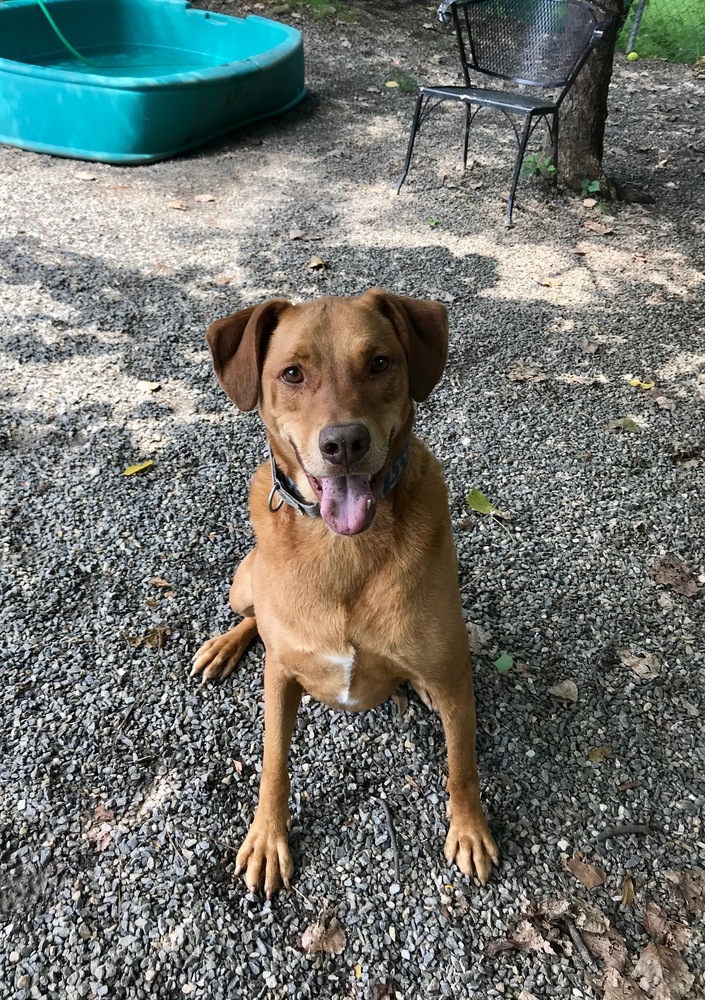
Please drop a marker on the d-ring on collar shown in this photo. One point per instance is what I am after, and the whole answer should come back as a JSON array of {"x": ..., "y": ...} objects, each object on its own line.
[{"x": 289, "y": 493}]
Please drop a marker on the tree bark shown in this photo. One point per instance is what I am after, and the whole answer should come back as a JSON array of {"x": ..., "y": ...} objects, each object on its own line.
[{"x": 584, "y": 112}]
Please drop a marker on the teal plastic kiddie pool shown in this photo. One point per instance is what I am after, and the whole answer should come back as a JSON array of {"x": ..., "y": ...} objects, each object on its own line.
[{"x": 132, "y": 81}]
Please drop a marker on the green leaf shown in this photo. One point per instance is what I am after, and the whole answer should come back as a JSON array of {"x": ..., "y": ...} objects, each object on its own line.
[
  {"x": 504, "y": 663},
  {"x": 433, "y": 223},
  {"x": 624, "y": 424},
  {"x": 593, "y": 186},
  {"x": 479, "y": 503}
]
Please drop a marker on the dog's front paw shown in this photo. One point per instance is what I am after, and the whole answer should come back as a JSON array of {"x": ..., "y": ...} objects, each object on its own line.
[
  {"x": 264, "y": 858},
  {"x": 470, "y": 845}
]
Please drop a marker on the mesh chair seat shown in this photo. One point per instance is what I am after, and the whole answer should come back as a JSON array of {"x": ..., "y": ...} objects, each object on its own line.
[
  {"x": 540, "y": 43},
  {"x": 503, "y": 100}
]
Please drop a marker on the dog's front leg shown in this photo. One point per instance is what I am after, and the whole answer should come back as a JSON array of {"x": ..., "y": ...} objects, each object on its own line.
[
  {"x": 469, "y": 842},
  {"x": 264, "y": 857}
]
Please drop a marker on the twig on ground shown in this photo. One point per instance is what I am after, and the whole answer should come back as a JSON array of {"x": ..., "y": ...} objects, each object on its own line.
[
  {"x": 392, "y": 835},
  {"x": 580, "y": 945},
  {"x": 622, "y": 831},
  {"x": 305, "y": 898}
]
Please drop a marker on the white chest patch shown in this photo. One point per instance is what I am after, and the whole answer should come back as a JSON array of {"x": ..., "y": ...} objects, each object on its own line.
[{"x": 347, "y": 662}]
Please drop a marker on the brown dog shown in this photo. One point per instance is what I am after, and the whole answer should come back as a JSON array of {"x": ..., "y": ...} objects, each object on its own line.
[{"x": 353, "y": 579}]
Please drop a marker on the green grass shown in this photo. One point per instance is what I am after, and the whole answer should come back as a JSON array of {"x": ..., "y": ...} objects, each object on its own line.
[{"x": 672, "y": 29}]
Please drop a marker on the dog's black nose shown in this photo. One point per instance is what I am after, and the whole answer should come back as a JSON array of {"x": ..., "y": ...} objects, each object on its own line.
[{"x": 344, "y": 444}]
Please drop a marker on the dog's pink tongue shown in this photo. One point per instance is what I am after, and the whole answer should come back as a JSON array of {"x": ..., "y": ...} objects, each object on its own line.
[{"x": 347, "y": 504}]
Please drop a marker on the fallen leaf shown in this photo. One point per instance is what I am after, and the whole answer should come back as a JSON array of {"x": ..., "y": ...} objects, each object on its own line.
[
  {"x": 499, "y": 945},
  {"x": 608, "y": 947},
  {"x": 319, "y": 937},
  {"x": 687, "y": 455},
  {"x": 103, "y": 815},
  {"x": 400, "y": 700},
  {"x": 546, "y": 282},
  {"x": 589, "y": 346},
  {"x": 589, "y": 202},
  {"x": 598, "y": 754},
  {"x": 156, "y": 637},
  {"x": 645, "y": 665},
  {"x": 384, "y": 991},
  {"x": 674, "y": 573},
  {"x": 628, "y": 894},
  {"x": 204, "y": 197},
  {"x": 598, "y": 227},
  {"x": 619, "y": 987},
  {"x": 476, "y": 185},
  {"x": 525, "y": 995},
  {"x": 565, "y": 691},
  {"x": 84, "y": 175},
  {"x": 691, "y": 887},
  {"x": 624, "y": 424},
  {"x": 145, "y": 386},
  {"x": 150, "y": 602},
  {"x": 133, "y": 470},
  {"x": 358, "y": 971},
  {"x": 662, "y": 973},
  {"x": 178, "y": 205},
  {"x": 663, "y": 930},
  {"x": 237, "y": 764},
  {"x": 503, "y": 664},
  {"x": 526, "y": 937},
  {"x": 100, "y": 836},
  {"x": 588, "y": 917},
  {"x": 159, "y": 581},
  {"x": 665, "y": 402},
  {"x": 525, "y": 371},
  {"x": 589, "y": 875},
  {"x": 317, "y": 264},
  {"x": 478, "y": 502},
  {"x": 638, "y": 384},
  {"x": 392, "y": 84},
  {"x": 303, "y": 235}
]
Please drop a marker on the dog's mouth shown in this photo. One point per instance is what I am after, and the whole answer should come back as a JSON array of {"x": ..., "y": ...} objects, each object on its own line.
[{"x": 348, "y": 502}]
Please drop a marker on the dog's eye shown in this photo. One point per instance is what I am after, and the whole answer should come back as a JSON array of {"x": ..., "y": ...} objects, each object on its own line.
[
  {"x": 379, "y": 365},
  {"x": 293, "y": 375}
]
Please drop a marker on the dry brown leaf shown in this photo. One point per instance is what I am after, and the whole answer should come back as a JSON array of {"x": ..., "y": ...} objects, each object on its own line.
[
  {"x": 619, "y": 987},
  {"x": 317, "y": 264},
  {"x": 237, "y": 764},
  {"x": 400, "y": 700},
  {"x": 328, "y": 938},
  {"x": 565, "y": 691},
  {"x": 691, "y": 887},
  {"x": 204, "y": 197},
  {"x": 672, "y": 572},
  {"x": 156, "y": 637},
  {"x": 589, "y": 918},
  {"x": 608, "y": 947},
  {"x": 103, "y": 815},
  {"x": 100, "y": 836},
  {"x": 663, "y": 930},
  {"x": 628, "y": 894},
  {"x": 178, "y": 205},
  {"x": 384, "y": 991},
  {"x": 499, "y": 945},
  {"x": 159, "y": 581},
  {"x": 525, "y": 371},
  {"x": 589, "y": 346},
  {"x": 589, "y": 202},
  {"x": 303, "y": 235},
  {"x": 598, "y": 227},
  {"x": 645, "y": 665},
  {"x": 598, "y": 754},
  {"x": 526, "y": 937},
  {"x": 665, "y": 402},
  {"x": 662, "y": 973},
  {"x": 589, "y": 875}
]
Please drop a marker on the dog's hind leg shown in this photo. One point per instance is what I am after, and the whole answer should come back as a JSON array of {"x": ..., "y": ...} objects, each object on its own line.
[{"x": 218, "y": 657}]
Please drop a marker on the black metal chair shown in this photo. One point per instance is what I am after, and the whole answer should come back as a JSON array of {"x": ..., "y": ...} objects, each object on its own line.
[{"x": 539, "y": 44}]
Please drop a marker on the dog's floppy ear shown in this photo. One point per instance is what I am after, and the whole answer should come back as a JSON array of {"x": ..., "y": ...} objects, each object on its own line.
[
  {"x": 237, "y": 346},
  {"x": 422, "y": 327}
]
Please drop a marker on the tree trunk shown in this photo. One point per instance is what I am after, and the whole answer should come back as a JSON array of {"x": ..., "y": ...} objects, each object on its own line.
[{"x": 584, "y": 112}]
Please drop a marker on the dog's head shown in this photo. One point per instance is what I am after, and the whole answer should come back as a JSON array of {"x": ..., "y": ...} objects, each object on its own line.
[{"x": 335, "y": 379}]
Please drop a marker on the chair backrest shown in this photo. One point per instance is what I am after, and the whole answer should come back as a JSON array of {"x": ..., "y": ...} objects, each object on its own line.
[{"x": 541, "y": 43}]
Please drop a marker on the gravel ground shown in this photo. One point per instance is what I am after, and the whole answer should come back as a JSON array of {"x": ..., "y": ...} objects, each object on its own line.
[{"x": 124, "y": 784}]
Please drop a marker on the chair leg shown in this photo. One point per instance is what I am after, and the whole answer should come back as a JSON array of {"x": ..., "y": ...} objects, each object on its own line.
[
  {"x": 468, "y": 119},
  {"x": 555, "y": 144},
  {"x": 520, "y": 157},
  {"x": 412, "y": 137}
]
